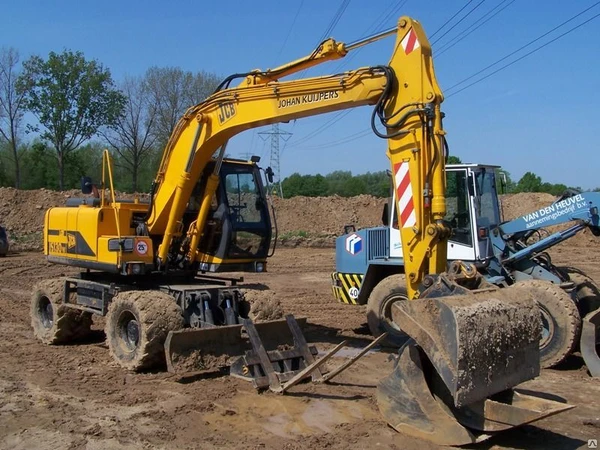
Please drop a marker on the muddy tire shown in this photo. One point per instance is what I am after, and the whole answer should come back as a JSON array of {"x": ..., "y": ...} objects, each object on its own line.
[
  {"x": 379, "y": 309},
  {"x": 51, "y": 320},
  {"x": 137, "y": 325},
  {"x": 561, "y": 321}
]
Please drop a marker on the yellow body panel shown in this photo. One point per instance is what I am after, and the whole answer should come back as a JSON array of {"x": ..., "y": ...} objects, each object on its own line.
[{"x": 83, "y": 233}]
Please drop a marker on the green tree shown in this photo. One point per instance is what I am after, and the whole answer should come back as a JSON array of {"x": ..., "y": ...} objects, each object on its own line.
[
  {"x": 11, "y": 108},
  {"x": 40, "y": 167},
  {"x": 71, "y": 98},
  {"x": 554, "y": 189},
  {"x": 305, "y": 185},
  {"x": 377, "y": 184},
  {"x": 454, "y": 160},
  {"x": 338, "y": 181},
  {"x": 529, "y": 182},
  {"x": 132, "y": 136},
  {"x": 172, "y": 91}
]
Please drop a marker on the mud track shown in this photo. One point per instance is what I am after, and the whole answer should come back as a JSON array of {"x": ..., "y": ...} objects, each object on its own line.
[{"x": 75, "y": 397}]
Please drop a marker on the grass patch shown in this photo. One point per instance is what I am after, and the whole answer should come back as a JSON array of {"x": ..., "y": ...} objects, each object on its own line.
[{"x": 294, "y": 234}]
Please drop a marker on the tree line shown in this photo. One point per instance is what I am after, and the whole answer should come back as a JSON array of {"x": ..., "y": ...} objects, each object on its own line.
[
  {"x": 344, "y": 184},
  {"x": 78, "y": 110}
]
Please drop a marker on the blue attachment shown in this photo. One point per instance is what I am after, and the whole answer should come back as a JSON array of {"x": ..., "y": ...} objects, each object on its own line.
[
  {"x": 544, "y": 244},
  {"x": 578, "y": 207}
]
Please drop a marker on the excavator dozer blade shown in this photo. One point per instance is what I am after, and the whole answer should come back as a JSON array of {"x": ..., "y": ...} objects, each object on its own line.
[
  {"x": 415, "y": 401},
  {"x": 206, "y": 349},
  {"x": 590, "y": 342},
  {"x": 480, "y": 343}
]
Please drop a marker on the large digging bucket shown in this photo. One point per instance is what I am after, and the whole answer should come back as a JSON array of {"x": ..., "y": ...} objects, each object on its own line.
[
  {"x": 414, "y": 401},
  {"x": 590, "y": 342},
  {"x": 468, "y": 348}
]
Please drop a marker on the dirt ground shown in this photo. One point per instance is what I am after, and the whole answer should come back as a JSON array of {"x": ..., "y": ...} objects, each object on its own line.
[{"x": 75, "y": 397}]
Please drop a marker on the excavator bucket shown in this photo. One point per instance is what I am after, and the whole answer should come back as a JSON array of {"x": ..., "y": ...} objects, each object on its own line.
[
  {"x": 452, "y": 382},
  {"x": 590, "y": 342},
  {"x": 414, "y": 401},
  {"x": 479, "y": 343}
]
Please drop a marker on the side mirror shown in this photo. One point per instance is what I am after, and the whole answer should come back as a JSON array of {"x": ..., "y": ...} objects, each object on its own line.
[
  {"x": 86, "y": 185},
  {"x": 349, "y": 229},
  {"x": 270, "y": 174},
  {"x": 385, "y": 216},
  {"x": 503, "y": 182}
]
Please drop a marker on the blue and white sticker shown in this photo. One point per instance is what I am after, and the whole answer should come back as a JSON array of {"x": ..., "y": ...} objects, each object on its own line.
[{"x": 353, "y": 244}]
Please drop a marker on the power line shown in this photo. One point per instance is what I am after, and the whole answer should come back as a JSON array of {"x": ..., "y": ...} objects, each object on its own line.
[
  {"x": 335, "y": 20},
  {"x": 323, "y": 127},
  {"x": 448, "y": 45},
  {"x": 526, "y": 55},
  {"x": 457, "y": 23},
  {"x": 289, "y": 30},
  {"x": 332, "y": 24},
  {"x": 521, "y": 48},
  {"x": 345, "y": 140},
  {"x": 449, "y": 20},
  {"x": 275, "y": 133},
  {"x": 375, "y": 25}
]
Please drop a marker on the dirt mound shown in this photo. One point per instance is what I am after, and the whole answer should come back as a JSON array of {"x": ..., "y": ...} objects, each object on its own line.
[
  {"x": 318, "y": 220},
  {"x": 516, "y": 205},
  {"x": 302, "y": 221},
  {"x": 22, "y": 213},
  {"x": 264, "y": 305}
]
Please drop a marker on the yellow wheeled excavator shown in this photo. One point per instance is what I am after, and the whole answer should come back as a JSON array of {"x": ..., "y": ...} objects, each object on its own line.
[{"x": 147, "y": 264}]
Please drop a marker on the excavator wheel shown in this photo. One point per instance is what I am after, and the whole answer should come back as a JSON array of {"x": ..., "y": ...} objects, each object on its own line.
[
  {"x": 137, "y": 325},
  {"x": 561, "y": 321},
  {"x": 52, "y": 321},
  {"x": 379, "y": 310}
]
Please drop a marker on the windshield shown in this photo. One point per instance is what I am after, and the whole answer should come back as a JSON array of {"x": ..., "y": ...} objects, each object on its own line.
[{"x": 488, "y": 211}]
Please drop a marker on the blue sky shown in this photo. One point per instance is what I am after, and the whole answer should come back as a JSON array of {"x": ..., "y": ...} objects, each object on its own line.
[{"x": 538, "y": 115}]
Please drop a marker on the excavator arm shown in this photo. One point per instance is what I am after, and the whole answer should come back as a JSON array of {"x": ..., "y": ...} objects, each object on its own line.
[
  {"x": 407, "y": 103},
  {"x": 469, "y": 341}
]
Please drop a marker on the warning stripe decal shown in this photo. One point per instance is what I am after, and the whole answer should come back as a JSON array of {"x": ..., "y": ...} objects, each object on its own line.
[
  {"x": 410, "y": 42},
  {"x": 347, "y": 281},
  {"x": 404, "y": 194}
]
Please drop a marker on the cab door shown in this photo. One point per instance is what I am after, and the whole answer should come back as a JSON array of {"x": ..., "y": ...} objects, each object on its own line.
[{"x": 459, "y": 216}]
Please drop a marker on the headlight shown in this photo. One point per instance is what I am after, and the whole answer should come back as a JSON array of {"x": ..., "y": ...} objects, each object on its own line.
[
  {"x": 260, "y": 267},
  {"x": 135, "y": 268},
  {"x": 114, "y": 245}
]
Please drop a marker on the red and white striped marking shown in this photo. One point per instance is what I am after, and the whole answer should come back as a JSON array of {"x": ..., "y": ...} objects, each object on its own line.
[
  {"x": 410, "y": 42},
  {"x": 404, "y": 194}
]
